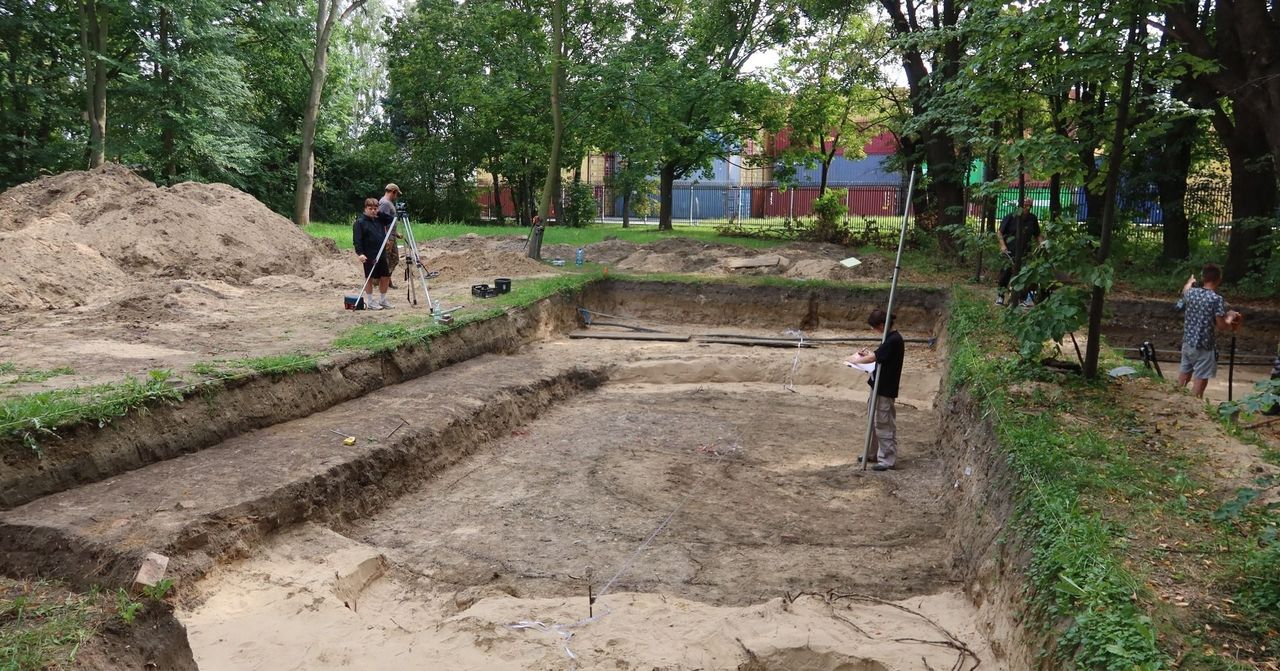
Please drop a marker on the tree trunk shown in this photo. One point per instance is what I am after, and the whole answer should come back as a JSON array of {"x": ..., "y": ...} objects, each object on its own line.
[
  {"x": 1173, "y": 164},
  {"x": 325, "y": 11},
  {"x": 626, "y": 208},
  {"x": 497, "y": 200},
  {"x": 551, "y": 185},
  {"x": 1253, "y": 192},
  {"x": 1115, "y": 162},
  {"x": 168, "y": 135},
  {"x": 666, "y": 191},
  {"x": 1055, "y": 196},
  {"x": 946, "y": 191},
  {"x": 93, "y": 41},
  {"x": 326, "y": 16}
]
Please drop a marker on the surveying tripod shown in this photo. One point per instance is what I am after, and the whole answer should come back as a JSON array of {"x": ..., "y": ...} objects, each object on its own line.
[{"x": 413, "y": 259}]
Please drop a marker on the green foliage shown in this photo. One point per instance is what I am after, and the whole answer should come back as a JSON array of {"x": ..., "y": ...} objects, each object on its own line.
[
  {"x": 42, "y": 626},
  {"x": 1266, "y": 394},
  {"x": 159, "y": 590},
  {"x": 829, "y": 218},
  {"x": 33, "y": 417},
  {"x": 554, "y": 235},
  {"x": 1075, "y": 571},
  {"x": 21, "y": 376},
  {"x": 276, "y": 365},
  {"x": 580, "y": 206},
  {"x": 1063, "y": 312},
  {"x": 126, "y": 607},
  {"x": 1063, "y": 273},
  {"x": 1258, "y": 586}
]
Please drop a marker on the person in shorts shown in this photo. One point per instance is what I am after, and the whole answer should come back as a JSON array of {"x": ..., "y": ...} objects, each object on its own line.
[
  {"x": 1205, "y": 313},
  {"x": 367, "y": 235}
]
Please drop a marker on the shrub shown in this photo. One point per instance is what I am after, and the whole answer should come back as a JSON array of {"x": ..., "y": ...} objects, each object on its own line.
[{"x": 579, "y": 207}]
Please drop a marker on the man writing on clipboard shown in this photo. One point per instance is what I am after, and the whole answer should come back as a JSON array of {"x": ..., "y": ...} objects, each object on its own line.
[{"x": 889, "y": 356}]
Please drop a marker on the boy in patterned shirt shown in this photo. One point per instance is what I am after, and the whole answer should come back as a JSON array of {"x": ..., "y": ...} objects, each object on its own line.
[{"x": 1205, "y": 312}]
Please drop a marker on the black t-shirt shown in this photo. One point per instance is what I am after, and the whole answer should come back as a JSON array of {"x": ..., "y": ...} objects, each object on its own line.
[
  {"x": 1018, "y": 230},
  {"x": 889, "y": 357}
]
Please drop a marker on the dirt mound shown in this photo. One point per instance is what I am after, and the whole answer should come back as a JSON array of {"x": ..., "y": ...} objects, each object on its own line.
[
  {"x": 480, "y": 264},
  {"x": 74, "y": 238}
]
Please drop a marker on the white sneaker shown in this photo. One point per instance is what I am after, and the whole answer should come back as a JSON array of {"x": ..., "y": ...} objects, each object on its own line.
[
  {"x": 372, "y": 305},
  {"x": 384, "y": 305}
]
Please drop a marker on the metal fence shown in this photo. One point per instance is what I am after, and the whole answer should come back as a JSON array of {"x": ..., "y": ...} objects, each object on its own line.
[{"x": 1208, "y": 208}]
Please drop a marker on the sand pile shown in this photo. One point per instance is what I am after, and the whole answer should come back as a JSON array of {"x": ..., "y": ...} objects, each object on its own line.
[
  {"x": 798, "y": 260},
  {"x": 472, "y": 257},
  {"x": 80, "y": 237}
]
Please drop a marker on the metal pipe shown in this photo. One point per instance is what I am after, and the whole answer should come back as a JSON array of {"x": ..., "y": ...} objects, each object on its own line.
[{"x": 888, "y": 320}]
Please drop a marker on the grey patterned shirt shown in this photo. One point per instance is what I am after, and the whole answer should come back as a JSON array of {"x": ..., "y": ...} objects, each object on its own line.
[{"x": 1203, "y": 307}]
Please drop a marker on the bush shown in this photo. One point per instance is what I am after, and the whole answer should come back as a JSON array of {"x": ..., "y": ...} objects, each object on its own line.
[
  {"x": 830, "y": 211},
  {"x": 579, "y": 207}
]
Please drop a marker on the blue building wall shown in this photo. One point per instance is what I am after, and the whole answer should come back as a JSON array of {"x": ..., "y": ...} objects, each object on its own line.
[
  {"x": 703, "y": 201},
  {"x": 869, "y": 170}
]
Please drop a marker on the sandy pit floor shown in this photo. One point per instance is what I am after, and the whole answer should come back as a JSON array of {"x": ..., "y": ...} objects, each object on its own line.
[{"x": 694, "y": 494}]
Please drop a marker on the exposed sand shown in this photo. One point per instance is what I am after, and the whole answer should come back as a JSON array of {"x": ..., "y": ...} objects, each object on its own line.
[{"x": 281, "y": 610}]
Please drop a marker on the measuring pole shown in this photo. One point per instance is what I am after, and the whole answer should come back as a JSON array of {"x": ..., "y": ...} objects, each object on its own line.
[
  {"x": 1231, "y": 368},
  {"x": 888, "y": 321}
]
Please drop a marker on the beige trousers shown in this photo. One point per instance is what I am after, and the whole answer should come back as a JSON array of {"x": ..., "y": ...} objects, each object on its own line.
[{"x": 884, "y": 434}]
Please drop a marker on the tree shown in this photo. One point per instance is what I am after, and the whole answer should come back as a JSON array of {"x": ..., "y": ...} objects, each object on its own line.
[
  {"x": 95, "y": 19},
  {"x": 327, "y": 15},
  {"x": 40, "y": 103},
  {"x": 556, "y": 77},
  {"x": 932, "y": 50},
  {"x": 680, "y": 76},
  {"x": 832, "y": 78},
  {"x": 1234, "y": 49}
]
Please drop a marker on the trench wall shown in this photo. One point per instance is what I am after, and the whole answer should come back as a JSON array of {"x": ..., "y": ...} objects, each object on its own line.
[{"x": 89, "y": 453}]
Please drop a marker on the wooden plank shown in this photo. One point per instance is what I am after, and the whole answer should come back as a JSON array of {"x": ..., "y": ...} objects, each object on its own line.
[
  {"x": 630, "y": 335},
  {"x": 758, "y": 342}
]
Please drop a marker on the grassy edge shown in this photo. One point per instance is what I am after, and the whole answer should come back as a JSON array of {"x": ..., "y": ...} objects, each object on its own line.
[
  {"x": 1078, "y": 584},
  {"x": 36, "y": 417}
]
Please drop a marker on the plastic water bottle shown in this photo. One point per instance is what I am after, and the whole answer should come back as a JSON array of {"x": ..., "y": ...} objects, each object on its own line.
[
  {"x": 436, "y": 311},
  {"x": 580, "y": 257}
]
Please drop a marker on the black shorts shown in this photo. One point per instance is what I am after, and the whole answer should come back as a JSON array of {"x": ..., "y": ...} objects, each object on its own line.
[{"x": 378, "y": 269}]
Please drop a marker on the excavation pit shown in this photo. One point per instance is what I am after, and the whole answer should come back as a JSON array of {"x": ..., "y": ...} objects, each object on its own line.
[{"x": 703, "y": 492}]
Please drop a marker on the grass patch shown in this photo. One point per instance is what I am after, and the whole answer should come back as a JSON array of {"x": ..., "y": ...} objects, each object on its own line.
[
  {"x": 382, "y": 337},
  {"x": 1133, "y": 543},
  {"x": 552, "y": 235},
  {"x": 1076, "y": 573},
  {"x": 28, "y": 375},
  {"x": 275, "y": 365},
  {"x": 33, "y": 417},
  {"x": 42, "y": 625}
]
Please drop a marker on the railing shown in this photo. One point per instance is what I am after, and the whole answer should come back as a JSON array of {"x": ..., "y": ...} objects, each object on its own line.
[{"x": 875, "y": 205}]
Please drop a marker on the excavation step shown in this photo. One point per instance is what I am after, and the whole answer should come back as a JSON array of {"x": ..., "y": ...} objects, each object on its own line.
[{"x": 339, "y": 463}]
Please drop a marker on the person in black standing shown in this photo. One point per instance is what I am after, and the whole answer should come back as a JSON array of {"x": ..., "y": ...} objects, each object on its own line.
[
  {"x": 367, "y": 235},
  {"x": 1017, "y": 230},
  {"x": 888, "y": 357}
]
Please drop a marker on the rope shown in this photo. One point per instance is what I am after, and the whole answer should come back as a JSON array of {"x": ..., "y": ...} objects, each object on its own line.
[{"x": 789, "y": 384}]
